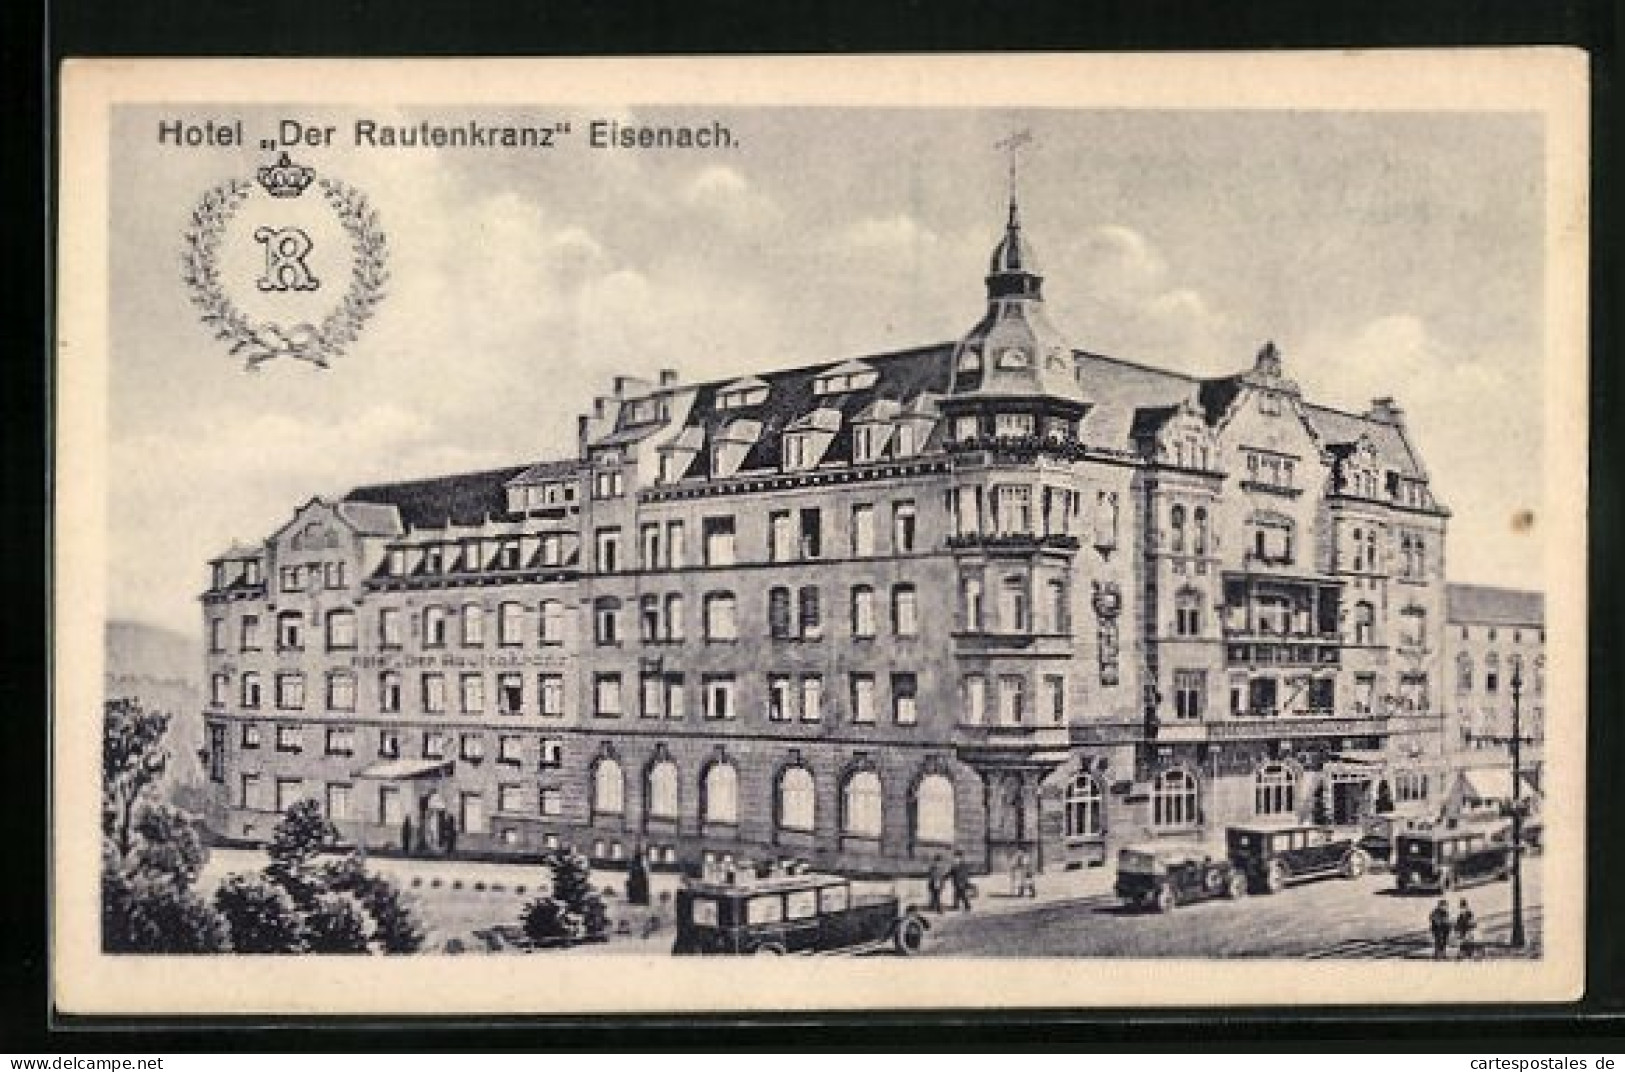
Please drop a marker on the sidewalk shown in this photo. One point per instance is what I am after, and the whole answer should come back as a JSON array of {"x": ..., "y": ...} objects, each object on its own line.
[{"x": 993, "y": 891}]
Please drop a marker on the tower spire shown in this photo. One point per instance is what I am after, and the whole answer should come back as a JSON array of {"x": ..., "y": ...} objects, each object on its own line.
[{"x": 1011, "y": 144}]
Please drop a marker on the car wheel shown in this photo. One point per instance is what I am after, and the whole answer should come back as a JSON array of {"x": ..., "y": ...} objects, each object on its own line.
[
  {"x": 1164, "y": 900},
  {"x": 770, "y": 949},
  {"x": 1355, "y": 863},
  {"x": 1236, "y": 885},
  {"x": 1274, "y": 877},
  {"x": 910, "y": 936}
]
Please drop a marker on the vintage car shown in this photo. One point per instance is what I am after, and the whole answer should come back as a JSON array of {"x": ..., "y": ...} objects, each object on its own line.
[
  {"x": 1161, "y": 877},
  {"x": 1379, "y": 832},
  {"x": 1444, "y": 858},
  {"x": 1272, "y": 856},
  {"x": 805, "y": 912}
]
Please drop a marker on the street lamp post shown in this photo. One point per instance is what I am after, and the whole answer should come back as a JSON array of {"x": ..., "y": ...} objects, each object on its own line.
[{"x": 1517, "y": 939}]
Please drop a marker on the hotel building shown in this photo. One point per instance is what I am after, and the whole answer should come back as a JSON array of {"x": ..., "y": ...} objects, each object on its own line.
[{"x": 988, "y": 595}]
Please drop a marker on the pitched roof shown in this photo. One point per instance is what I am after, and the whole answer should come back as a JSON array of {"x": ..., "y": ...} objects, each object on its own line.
[
  {"x": 1481, "y": 604},
  {"x": 550, "y": 470},
  {"x": 239, "y": 549},
  {"x": 371, "y": 519},
  {"x": 463, "y": 498}
]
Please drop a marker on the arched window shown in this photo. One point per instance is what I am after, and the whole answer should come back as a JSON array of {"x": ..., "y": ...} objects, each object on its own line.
[
  {"x": 861, "y": 805},
  {"x": 1084, "y": 808},
  {"x": 1200, "y": 543},
  {"x": 434, "y": 627},
  {"x": 608, "y": 788},
  {"x": 1492, "y": 672},
  {"x": 1464, "y": 672},
  {"x": 934, "y": 810},
  {"x": 662, "y": 791},
  {"x": 552, "y": 619},
  {"x": 1174, "y": 799},
  {"x": 1176, "y": 525},
  {"x": 797, "y": 804},
  {"x": 1275, "y": 790},
  {"x": 721, "y": 794}
]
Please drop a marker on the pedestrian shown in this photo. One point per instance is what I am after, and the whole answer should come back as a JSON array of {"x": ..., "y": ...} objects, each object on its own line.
[
  {"x": 448, "y": 832},
  {"x": 960, "y": 877},
  {"x": 933, "y": 884},
  {"x": 1029, "y": 887},
  {"x": 1439, "y": 924},
  {"x": 406, "y": 835},
  {"x": 1018, "y": 867},
  {"x": 1467, "y": 931}
]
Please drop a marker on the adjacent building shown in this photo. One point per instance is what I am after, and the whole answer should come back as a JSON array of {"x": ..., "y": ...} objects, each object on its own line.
[
  {"x": 1493, "y": 635},
  {"x": 991, "y": 595}
]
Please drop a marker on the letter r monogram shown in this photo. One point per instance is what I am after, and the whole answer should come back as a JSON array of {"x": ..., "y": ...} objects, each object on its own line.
[{"x": 285, "y": 251}]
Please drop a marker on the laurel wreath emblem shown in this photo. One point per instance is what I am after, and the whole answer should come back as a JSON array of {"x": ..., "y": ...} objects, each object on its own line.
[{"x": 261, "y": 342}]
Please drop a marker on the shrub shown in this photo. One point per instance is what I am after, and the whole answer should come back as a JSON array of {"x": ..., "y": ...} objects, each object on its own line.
[
  {"x": 260, "y": 914},
  {"x": 148, "y": 914},
  {"x": 545, "y": 920},
  {"x": 337, "y": 924}
]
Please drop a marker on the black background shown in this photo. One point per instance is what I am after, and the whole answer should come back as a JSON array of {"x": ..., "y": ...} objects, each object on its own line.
[{"x": 32, "y": 42}]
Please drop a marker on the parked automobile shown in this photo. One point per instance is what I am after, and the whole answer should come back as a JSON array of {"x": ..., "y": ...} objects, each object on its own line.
[
  {"x": 1161, "y": 877},
  {"x": 808, "y": 912},
  {"x": 1272, "y": 856},
  {"x": 1444, "y": 858},
  {"x": 1378, "y": 832}
]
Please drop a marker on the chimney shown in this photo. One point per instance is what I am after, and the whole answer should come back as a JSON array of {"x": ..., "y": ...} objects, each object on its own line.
[
  {"x": 668, "y": 376},
  {"x": 600, "y": 406},
  {"x": 1385, "y": 410}
]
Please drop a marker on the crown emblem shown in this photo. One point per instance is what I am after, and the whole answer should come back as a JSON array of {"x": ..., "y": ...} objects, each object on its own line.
[{"x": 285, "y": 178}]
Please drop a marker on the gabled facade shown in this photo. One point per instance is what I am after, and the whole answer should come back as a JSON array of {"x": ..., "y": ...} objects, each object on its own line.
[{"x": 991, "y": 595}]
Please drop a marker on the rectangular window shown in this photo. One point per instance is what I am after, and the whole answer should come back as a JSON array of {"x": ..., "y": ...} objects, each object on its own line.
[
  {"x": 676, "y": 551},
  {"x": 812, "y": 532},
  {"x": 551, "y": 687},
  {"x": 289, "y": 791},
  {"x": 290, "y": 630},
  {"x": 290, "y": 692},
  {"x": 341, "y": 691},
  {"x": 606, "y": 622},
  {"x": 1055, "y": 697},
  {"x": 251, "y": 632},
  {"x": 510, "y": 625},
  {"x": 904, "y": 699},
  {"x": 389, "y": 744},
  {"x": 1011, "y": 700},
  {"x": 905, "y": 611},
  {"x": 676, "y": 628},
  {"x": 720, "y": 620},
  {"x": 510, "y": 693},
  {"x": 863, "y": 530},
  {"x": 607, "y": 695},
  {"x": 552, "y": 754},
  {"x": 781, "y": 537},
  {"x": 812, "y": 697},
  {"x": 903, "y": 527},
  {"x": 551, "y": 801},
  {"x": 217, "y": 635},
  {"x": 289, "y": 739},
  {"x": 473, "y": 808},
  {"x": 608, "y": 545},
  {"x": 217, "y": 752},
  {"x": 434, "y": 745},
  {"x": 1190, "y": 694},
  {"x": 434, "y": 693},
  {"x": 250, "y": 735},
  {"x": 250, "y": 796},
  {"x": 675, "y": 693},
  {"x": 510, "y": 798},
  {"x": 552, "y": 549},
  {"x": 719, "y": 541},
  {"x": 863, "y": 698},
  {"x": 780, "y": 707},
  {"x": 390, "y": 811},
  {"x": 511, "y": 749},
  {"x": 809, "y": 614},
  {"x": 975, "y": 703},
  {"x": 472, "y": 746},
  {"x": 653, "y": 692},
  {"x": 863, "y": 611},
  {"x": 389, "y": 627},
  {"x": 389, "y": 692},
  {"x": 219, "y": 688},
  {"x": 719, "y": 697},
  {"x": 649, "y": 545},
  {"x": 340, "y": 741},
  {"x": 251, "y": 689},
  {"x": 292, "y": 578}
]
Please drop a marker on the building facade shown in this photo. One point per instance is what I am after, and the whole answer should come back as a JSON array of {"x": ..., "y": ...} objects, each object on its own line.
[
  {"x": 992, "y": 595},
  {"x": 1491, "y": 636}
]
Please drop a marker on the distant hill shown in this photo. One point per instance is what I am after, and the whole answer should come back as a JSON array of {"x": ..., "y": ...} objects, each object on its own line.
[{"x": 163, "y": 669}]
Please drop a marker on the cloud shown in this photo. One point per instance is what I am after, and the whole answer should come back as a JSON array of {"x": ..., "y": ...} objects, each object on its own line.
[{"x": 722, "y": 194}]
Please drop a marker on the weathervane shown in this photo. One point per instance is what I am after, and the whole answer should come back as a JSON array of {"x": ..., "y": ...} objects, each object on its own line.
[{"x": 1011, "y": 144}]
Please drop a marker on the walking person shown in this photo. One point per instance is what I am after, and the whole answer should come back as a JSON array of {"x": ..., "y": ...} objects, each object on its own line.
[
  {"x": 1018, "y": 868},
  {"x": 1467, "y": 931},
  {"x": 934, "y": 879},
  {"x": 959, "y": 876},
  {"x": 1029, "y": 885},
  {"x": 1439, "y": 925}
]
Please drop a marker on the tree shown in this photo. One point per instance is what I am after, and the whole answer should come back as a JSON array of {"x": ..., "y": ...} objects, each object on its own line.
[
  {"x": 1385, "y": 797},
  {"x": 395, "y": 926},
  {"x": 151, "y": 853},
  {"x": 296, "y": 841},
  {"x": 133, "y": 759},
  {"x": 575, "y": 911},
  {"x": 337, "y": 924},
  {"x": 261, "y": 915}
]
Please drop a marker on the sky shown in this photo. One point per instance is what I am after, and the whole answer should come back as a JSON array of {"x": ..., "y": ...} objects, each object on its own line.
[{"x": 1385, "y": 254}]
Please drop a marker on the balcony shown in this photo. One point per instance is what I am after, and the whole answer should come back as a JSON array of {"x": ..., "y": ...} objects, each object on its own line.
[
  {"x": 1013, "y": 544},
  {"x": 1254, "y": 650},
  {"x": 1020, "y": 745},
  {"x": 1019, "y": 449},
  {"x": 1040, "y": 645},
  {"x": 1106, "y": 733}
]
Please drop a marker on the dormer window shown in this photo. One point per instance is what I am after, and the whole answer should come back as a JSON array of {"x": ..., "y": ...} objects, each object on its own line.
[
  {"x": 643, "y": 411},
  {"x": 851, "y": 376},
  {"x": 742, "y": 393},
  {"x": 970, "y": 359},
  {"x": 905, "y": 443},
  {"x": 1014, "y": 358},
  {"x": 869, "y": 442},
  {"x": 966, "y": 428},
  {"x": 799, "y": 451},
  {"x": 808, "y": 437}
]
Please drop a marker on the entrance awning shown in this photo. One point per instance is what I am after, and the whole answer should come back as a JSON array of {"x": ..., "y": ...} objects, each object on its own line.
[
  {"x": 1493, "y": 784},
  {"x": 405, "y": 770},
  {"x": 1361, "y": 757}
]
